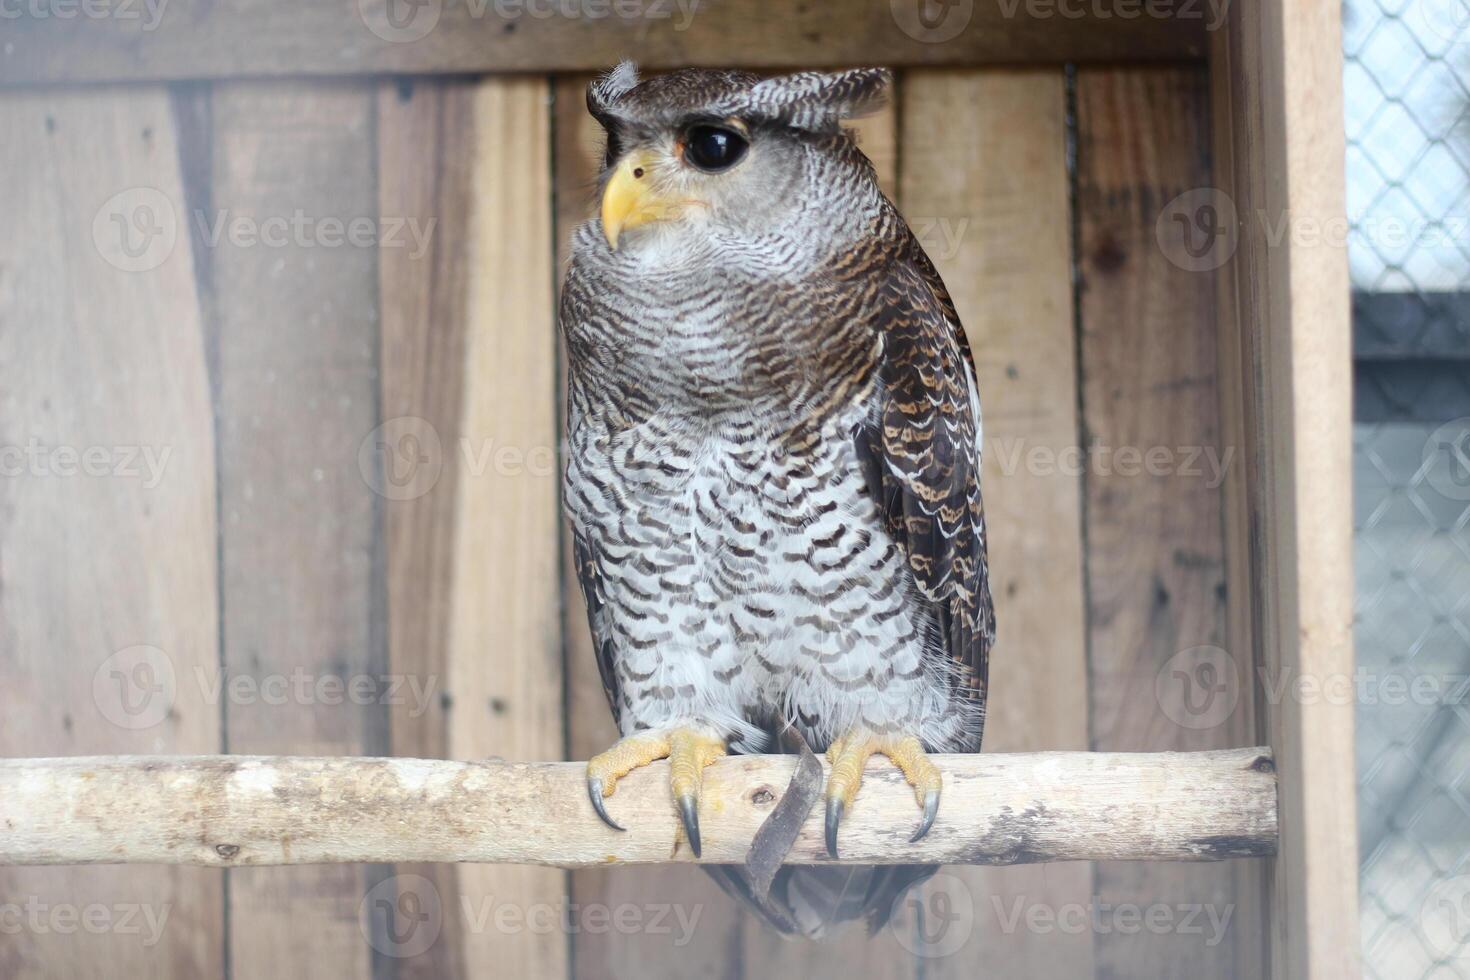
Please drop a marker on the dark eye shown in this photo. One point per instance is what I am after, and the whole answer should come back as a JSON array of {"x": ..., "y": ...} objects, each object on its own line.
[{"x": 713, "y": 148}]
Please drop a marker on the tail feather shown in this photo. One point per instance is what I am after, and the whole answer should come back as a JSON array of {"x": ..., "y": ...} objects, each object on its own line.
[
  {"x": 822, "y": 902},
  {"x": 818, "y": 901}
]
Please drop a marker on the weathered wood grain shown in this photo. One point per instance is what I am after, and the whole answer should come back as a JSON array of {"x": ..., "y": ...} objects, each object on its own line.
[
  {"x": 1155, "y": 540},
  {"x": 296, "y": 328},
  {"x": 237, "y": 38},
  {"x": 1285, "y": 321},
  {"x": 505, "y": 649},
  {"x": 425, "y": 139},
  {"x": 108, "y": 592},
  {"x": 985, "y": 185},
  {"x": 231, "y": 811}
]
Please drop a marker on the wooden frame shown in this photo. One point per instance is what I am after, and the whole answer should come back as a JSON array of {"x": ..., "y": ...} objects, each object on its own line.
[
  {"x": 1281, "y": 367},
  {"x": 193, "y": 39},
  {"x": 1285, "y": 323}
]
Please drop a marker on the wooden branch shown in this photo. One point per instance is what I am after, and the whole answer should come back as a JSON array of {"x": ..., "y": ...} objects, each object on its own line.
[
  {"x": 247, "y": 810},
  {"x": 240, "y": 38}
]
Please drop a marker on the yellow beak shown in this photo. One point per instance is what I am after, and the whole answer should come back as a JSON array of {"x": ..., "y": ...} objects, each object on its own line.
[{"x": 628, "y": 201}]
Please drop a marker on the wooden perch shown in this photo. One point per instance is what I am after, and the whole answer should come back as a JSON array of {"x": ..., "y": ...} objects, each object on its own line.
[{"x": 228, "y": 811}]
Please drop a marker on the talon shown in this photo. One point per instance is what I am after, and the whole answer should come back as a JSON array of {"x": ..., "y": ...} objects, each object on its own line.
[
  {"x": 594, "y": 792},
  {"x": 931, "y": 809},
  {"x": 848, "y": 756},
  {"x": 835, "y": 806},
  {"x": 689, "y": 814},
  {"x": 606, "y": 768},
  {"x": 689, "y": 752}
]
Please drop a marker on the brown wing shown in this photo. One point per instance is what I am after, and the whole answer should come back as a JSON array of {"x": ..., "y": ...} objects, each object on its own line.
[{"x": 921, "y": 454}]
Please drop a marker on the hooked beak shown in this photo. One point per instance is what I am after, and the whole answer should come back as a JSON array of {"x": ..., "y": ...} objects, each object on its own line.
[{"x": 628, "y": 201}]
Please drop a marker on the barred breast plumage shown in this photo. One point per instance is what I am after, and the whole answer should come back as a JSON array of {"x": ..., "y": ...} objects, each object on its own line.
[{"x": 773, "y": 434}]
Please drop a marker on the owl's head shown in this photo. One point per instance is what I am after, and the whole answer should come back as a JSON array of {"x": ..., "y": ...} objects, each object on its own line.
[{"x": 703, "y": 150}]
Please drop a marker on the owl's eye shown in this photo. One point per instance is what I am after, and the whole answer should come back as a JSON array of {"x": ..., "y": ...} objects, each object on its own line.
[{"x": 713, "y": 148}]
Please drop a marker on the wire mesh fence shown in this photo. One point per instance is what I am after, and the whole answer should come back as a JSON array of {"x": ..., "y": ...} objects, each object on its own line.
[{"x": 1407, "y": 87}]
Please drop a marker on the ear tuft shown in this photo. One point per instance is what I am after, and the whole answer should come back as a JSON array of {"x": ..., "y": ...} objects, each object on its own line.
[
  {"x": 821, "y": 100},
  {"x": 606, "y": 90}
]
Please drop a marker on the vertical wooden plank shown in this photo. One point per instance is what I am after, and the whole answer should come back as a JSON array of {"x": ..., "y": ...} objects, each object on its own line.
[
  {"x": 425, "y": 165},
  {"x": 296, "y": 320},
  {"x": 505, "y": 651},
  {"x": 711, "y": 946},
  {"x": 1155, "y": 558},
  {"x": 877, "y": 136},
  {"x": 985, "y": 185},
  {"x": 109, "y": 601},
  {"x": 1286, "y": 322}
]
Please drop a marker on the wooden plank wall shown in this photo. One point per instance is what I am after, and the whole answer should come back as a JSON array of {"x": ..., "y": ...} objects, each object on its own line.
[
  {"x": 364, "y": 483},
  {"x": 109, "y": 597}
]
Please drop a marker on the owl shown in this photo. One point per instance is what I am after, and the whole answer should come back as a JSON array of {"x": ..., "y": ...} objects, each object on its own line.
[{"x": 773, "y": 457}]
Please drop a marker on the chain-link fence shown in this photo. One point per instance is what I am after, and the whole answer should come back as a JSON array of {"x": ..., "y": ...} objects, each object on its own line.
[{"x": 1408, "y": 127}]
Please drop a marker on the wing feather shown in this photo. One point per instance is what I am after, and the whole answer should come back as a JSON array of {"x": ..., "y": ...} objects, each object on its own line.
[{"x": 920, "y": 451}]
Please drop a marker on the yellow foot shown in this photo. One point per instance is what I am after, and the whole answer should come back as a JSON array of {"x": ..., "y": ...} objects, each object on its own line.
[
  {"x": 688, "y": 750},
  {"x": 848, "y": 755}
]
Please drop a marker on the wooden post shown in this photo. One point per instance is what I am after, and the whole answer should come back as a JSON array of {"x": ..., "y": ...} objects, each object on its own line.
[{"x": 1277, "y": 78}]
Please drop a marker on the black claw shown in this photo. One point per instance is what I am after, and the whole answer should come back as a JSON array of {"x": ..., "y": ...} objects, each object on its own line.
[
  {"x": 594, "y": 792},
  {"x": 931, "y": 807},
  {"x": 689, "y": 813},
  {"x": 835, "y": 807}
]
